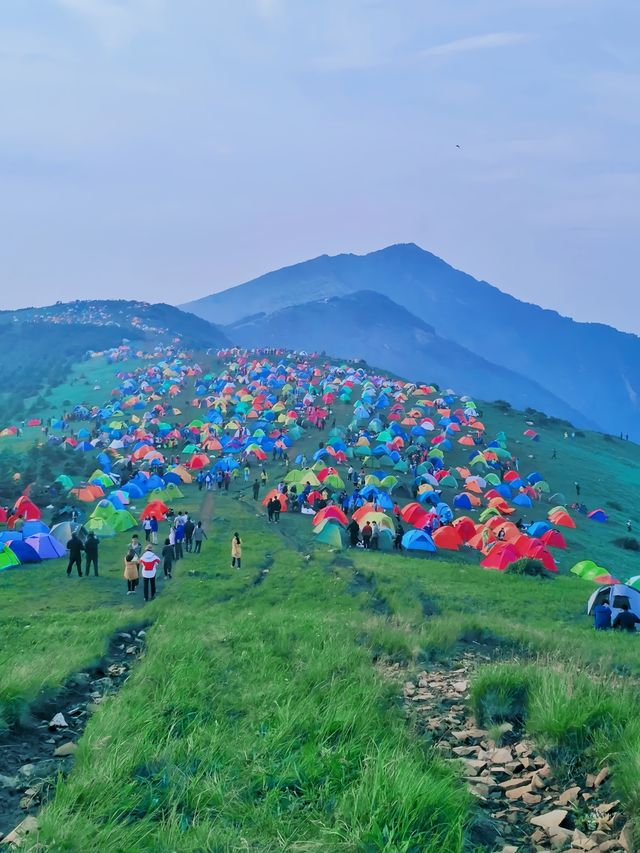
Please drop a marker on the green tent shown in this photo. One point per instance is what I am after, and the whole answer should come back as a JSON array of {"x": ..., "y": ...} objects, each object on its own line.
[
  {"x": 105, "y": 510},
  {"x": 65, "y": 481},
  {"x": 588, "y": 570},
  {"x": 100, "y": 527},
  {"x": 122, "y": 520},
  {"x": 331, "y": 534},
  {"x": 7, "y": 558}
]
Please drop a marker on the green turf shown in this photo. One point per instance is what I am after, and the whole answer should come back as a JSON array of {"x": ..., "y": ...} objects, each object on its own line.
[{"x": 256, "y": 718}]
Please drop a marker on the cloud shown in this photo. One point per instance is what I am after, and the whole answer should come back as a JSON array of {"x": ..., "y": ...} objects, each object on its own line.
[
  {"x": 269, "y": 9},
  {"x": 116, "y": 22},
  {"x": 489, "y": 41}
]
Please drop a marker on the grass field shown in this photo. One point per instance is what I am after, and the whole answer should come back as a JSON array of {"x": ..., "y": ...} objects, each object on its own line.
[{"x": 257, "y": 719}]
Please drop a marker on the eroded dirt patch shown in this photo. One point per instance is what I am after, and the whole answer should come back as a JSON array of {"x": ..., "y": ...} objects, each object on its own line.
[
  {"x": 35, "y": 754},
  {"x": 523, "y": 806}
]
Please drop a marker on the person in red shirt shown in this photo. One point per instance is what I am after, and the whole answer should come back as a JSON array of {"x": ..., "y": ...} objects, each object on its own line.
[{"x": 149, "y": 563}]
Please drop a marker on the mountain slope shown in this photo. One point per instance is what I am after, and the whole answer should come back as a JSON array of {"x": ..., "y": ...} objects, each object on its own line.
[
  {"x": 585, "y": 364},
  {"x": 369, "y": 325}
]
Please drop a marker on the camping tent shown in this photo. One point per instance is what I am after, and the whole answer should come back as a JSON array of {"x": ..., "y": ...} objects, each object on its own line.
[{"x": 615, "y": 595}]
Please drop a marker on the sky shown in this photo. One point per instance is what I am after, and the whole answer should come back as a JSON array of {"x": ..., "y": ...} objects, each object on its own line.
[{"x": 166, "y": 149}]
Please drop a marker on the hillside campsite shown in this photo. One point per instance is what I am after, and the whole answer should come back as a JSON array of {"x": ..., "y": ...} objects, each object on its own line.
[{"x": 399, "y": 655}]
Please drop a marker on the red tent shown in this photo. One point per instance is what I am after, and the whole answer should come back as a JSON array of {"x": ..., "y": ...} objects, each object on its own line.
[
  {"x": 447, "y": 537},
  {"x": 554, "y": 539},
  {"x": 500, "y": 556}
]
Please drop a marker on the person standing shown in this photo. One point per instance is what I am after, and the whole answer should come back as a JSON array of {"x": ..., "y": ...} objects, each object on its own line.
[
  {"x": 75, "y": 549},
  {"x": 236, "y": 551},
  {"x": 146, "y": 526},
  {"x": 198, "y": 536},
  {"x": 256, "y": 489},
  {"x": 189, "y": 527},
  {"x": 131, "y": 571},
  {"x": 135, "y": 545},
  {"x": 375, "y": 536},
  {"x": 179, "y": 539},
  {"x": 354, "y": 533},
  {"x": 168, "y": 556},
  {"x": 397, "y": 541},
  {"x": 149, "y": 565},
  {"x": 91, "y": 554},
  {"x": 277, "y": 509},
  {"x": 263, "y": 477},
  {"x": 367, "y": 532},
  {"x": 154, "y": 530}
]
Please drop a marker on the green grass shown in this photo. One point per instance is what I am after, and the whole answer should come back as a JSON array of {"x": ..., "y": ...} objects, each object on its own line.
[{"x": 256, "y": 718}]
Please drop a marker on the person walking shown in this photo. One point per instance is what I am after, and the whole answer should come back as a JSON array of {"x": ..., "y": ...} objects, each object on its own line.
[
  {"x": 397, "y": 541},
  {"x": 353, "y": 530},
  {"x": 198, "y": 536},
  {"x": 91, "y": 554},
  {"x": 277, "y": 509},
  {"x": 168, "y": 556},
  {"x": 179, "y": 539},
  {"x": 135, "y": 545},
  {"x": 263, "y": 477},
  {"x": 146, "y": 526},
  {"x": 75, "y": 549},
  {"x": 189, "y": 527},
  {"x": 131, "y": 571},
  {"x": 154, "y": 530},
  {"x": 256, "y": 489},
  {"x": 375, "y": 536},
  {"x": 236, "y": 551},
  {"x": 149, "y": 566},
  {"x": 367, "y": 532}
]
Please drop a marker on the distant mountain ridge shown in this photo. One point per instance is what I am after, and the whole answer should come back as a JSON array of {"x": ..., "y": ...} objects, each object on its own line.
[
  {"x": 593, "y": 368},
  {"x": 391, "y": 332}
]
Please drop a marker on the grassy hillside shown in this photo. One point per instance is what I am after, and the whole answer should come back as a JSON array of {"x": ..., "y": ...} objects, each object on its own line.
[{"x": 262, "y": 715}]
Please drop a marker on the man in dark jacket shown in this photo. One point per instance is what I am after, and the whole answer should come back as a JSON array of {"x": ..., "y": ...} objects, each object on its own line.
[
  {"x": 256, "y": 489},
  {"x": 354, "y": 533},
  {"x": 626, "y": 620},
  {"x": 91, "y": 552},
  {"x": 189, "y": 527},
  {"x": 75, "y": 549}
]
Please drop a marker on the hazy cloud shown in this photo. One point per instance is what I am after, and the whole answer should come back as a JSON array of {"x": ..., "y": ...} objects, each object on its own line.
[{"x": 488, "y": 41}]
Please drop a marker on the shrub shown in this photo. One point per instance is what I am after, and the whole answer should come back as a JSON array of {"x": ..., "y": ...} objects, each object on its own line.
[
  {"x": 627, "y": 543},
  {"x": 527, "y": 566},
  {"x": 500, "y": 694}
]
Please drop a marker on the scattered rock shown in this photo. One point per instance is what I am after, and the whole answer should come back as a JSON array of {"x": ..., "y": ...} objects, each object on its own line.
[
  {"x": 65, "y": 749},
  {"x": 58, "y": 722},
  {"x": 27, "y": 827}
]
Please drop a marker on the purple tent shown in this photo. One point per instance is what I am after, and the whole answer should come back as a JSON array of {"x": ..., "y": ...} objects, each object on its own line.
[{"x": 46, "y": 546}]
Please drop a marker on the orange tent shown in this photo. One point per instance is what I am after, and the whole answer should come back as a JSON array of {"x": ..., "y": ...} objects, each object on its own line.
[
  {"x": 562, "y": 519},
  {"x": 447, "y": 537},
  {"x": 465, "y": 527},
  {"x": 156, "y": 508},
  {"x": 500, "y": 556}
]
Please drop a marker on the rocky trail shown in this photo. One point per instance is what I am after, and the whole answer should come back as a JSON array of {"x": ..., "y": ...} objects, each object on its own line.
[
  {"x": 34, "y": 755},
  {"x": 522, "y": 805}
]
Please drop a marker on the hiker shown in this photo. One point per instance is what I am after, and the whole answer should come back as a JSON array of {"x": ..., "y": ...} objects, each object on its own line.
[
  {"x": 375, "y": 536},
  {"x": 168, "y": 556},
  {"x": 189, "y": 527},
  {"x": 198, "y": 536},
  {"x": 75, "y": 549},
  {"x": 256, "y": 489},
  {"x": 135, "y": 545},
  {"x": 91, "y": 554},
  {"x": 146, "y": 526},
  {"x": 626, "y": 620},
  {"x": 602, "y": 616},
  {"x": 154, "y": 530},
  {"x": 149, "y": 566},
  {"x": 397, "y": 541},
  {"x": 236, "y": 551},
  {"x": 178, "y": 540},
  {"x": 131, "y": 571},
  {"x": 367, "y": 532},
  {"x": 354, "y": 533}
]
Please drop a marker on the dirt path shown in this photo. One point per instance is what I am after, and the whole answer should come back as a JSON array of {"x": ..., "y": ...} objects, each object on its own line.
[
  {"x": 32, "y": 756},
  {"x": 522, "y": 806}
]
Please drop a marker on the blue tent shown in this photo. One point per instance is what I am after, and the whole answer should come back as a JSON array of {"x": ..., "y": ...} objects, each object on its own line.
[
  {"x": 522, "y": 500},
  {"x": 418, "y": 540},
  {"x": 30, "y": 528},
  {"x": 24, "y": 552},
  {"x": 538, "y": 528},
  {"x": 462, "y": 502}
]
